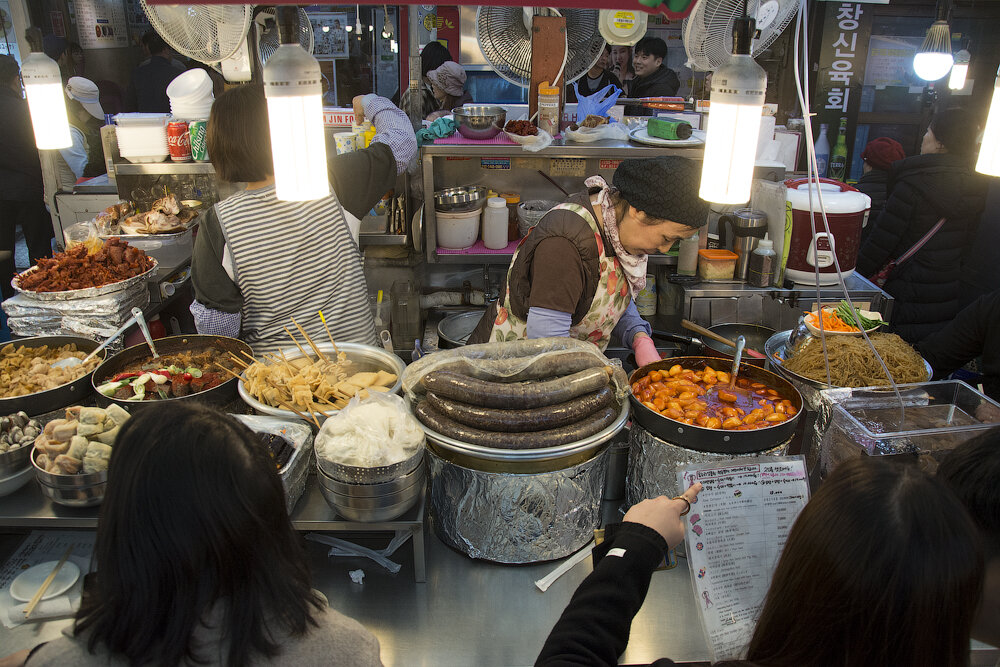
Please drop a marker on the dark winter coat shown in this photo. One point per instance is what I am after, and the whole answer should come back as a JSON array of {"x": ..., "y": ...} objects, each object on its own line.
[
  {"x": 661, "y": 83},
  {"x": 922, "y": 189},
  {"x": 20, "y": 171},
  {"x": 873, "y": 184}
]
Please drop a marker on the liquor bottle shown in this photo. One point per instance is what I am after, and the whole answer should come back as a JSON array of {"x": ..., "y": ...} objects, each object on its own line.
[
  {"x": 822, "y": 151},
  {"x": 838, "y": 161}
]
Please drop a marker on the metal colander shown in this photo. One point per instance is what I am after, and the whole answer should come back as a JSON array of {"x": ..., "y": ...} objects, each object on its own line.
[{"x": 376, "y": 475}]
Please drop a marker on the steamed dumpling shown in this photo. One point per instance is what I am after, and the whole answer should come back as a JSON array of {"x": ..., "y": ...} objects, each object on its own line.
[{"x": 97, "y": 458}]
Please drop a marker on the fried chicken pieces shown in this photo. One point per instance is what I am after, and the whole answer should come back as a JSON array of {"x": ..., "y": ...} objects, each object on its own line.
[{"x": 75, "y": 269}]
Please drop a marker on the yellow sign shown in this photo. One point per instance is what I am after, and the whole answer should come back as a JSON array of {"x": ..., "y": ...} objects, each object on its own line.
[{"x": 624, "y": 20}]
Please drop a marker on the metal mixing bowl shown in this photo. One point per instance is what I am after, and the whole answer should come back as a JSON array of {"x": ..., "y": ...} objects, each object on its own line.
[
  {"x": 460, "y": 199},
  {"x": 83, "y": 490},
  {"x": 15, "y": 460},
  {"x": 373, "y": 502},
  {"x": 480, "y": 121}
]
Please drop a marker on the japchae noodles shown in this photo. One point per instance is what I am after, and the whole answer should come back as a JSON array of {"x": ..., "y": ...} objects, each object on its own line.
[{"x": 852, "y": 363}]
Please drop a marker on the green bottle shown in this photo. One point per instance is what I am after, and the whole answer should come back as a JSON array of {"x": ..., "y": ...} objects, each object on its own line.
[{"x": 838, "y": 160}]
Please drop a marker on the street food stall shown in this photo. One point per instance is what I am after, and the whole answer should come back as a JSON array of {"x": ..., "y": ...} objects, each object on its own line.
[{"x": 510, "y": 452}]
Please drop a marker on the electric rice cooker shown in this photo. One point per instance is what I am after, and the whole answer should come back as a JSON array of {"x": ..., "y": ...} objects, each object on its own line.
[{"x": 846, "y": 211}]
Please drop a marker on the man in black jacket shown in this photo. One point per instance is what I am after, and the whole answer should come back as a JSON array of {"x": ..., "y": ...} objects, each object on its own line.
[
  {"x": 21, "y": 201},
  {"x": 147, "y": 92},
  {"x": 652, "y": 77}
]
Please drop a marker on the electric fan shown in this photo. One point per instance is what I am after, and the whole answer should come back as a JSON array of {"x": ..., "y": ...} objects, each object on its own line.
[
  {"x": 211, "y": 34},
  {"x": 708, "y": 30},
  {"x": 268, "y": 40}
]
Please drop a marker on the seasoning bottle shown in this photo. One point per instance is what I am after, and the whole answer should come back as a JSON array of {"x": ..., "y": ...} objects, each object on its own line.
[
  {"x": 495, "y": 224},
  {"x": 512, "y": 199},
  {"x": 687, "y": 256},
  {"x": 762, "y": 261},
  {"x": 548, "y": 108}
]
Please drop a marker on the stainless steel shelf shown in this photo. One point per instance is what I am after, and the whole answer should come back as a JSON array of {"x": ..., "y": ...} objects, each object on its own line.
[
  {"x": 562, "y": 148},
  {"x": 154, "y": 168}
]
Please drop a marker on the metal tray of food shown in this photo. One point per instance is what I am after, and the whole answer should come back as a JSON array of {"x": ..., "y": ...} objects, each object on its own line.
[
  {"x": 59, "y": 397},
  {"x": 464, "y": 198},
  {"x": 87, "y": 292}
]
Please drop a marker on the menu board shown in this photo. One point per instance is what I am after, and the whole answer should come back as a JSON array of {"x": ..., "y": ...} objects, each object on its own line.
[
  {"x": 736, "y": 531},
  {"x": 101, "y": 24}
]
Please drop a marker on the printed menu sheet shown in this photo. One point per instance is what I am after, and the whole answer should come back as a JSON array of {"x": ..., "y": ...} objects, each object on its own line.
[
  {"x": 39, "y": 547},
  {"x": 735, "y": 533}
]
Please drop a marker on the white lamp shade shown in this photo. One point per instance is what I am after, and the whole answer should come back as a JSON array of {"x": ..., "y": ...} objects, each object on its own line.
[
  {"x": 931, "y": 66},
  {"x": 737, "y": 102},
  {"x": 295, "y": 115},
  {"x": 44, "y": 89},
  {"x": 989, "y": 151}
]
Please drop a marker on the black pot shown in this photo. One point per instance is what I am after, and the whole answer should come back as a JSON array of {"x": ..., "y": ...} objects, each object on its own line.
[
  {"x": 222, "y": 395},
  {"x": 62, "y": 396},
  {"x": 755, "y": 335},
  {"x": 716, "y": 440}
]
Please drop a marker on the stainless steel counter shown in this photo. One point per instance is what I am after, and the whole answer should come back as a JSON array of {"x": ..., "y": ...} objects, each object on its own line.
[{"x": 563, "y": 148}]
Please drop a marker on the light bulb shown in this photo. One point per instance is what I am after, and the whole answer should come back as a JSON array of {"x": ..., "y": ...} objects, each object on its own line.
[
  {"x": 44, "y": 89},
  {"x": 934, "y": 58},
  {"x": 295, "y": 115},
  {"x": 737, "y": 101},
  {"x": 348, "y": 28},
  {"x": 959, "y": 70},
  {"x": 989, "y": 150}
]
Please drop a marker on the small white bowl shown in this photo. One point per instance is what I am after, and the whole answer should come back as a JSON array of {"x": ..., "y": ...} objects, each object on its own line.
[{"x": 814, "y": 330}]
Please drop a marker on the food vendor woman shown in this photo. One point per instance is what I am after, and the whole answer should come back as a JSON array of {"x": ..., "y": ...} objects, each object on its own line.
[
  {"x": 577, "y": 272},
  {"x": 258, "y": 261}
]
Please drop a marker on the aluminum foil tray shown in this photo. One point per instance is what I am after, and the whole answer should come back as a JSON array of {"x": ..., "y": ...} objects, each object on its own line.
[{"x": 85, "y": 293}]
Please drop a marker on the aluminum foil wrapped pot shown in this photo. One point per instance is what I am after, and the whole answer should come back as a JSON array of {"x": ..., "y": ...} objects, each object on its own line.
[{"x": 653, "y": 464}]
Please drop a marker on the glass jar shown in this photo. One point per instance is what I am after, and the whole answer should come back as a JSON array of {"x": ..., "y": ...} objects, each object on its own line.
[{"x": 512, "y": 199}]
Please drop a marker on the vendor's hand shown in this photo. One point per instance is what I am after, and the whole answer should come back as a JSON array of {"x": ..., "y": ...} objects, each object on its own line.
[
  {"x": 664, "y": 514},
  {"x": 359, "y": 109},
  {"x": 645, "y": 350}
]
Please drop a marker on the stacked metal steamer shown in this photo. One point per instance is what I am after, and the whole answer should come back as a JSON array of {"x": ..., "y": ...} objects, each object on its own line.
[{"x": 521, "y": 491}]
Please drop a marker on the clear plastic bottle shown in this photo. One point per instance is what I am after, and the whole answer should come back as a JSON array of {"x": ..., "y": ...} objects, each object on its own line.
[
  {"x": 822, "y": 151},
  {"x": 495, "y": 223},
  {"x": 687, "y": 256},
  {"x": 762, "y": 262},
  {"x": 548, "y": 108}
]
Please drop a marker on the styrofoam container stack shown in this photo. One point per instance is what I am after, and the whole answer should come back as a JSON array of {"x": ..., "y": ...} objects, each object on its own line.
[
  {"x": 142, "y": 137},
  {"x": 191, "y": 95}
]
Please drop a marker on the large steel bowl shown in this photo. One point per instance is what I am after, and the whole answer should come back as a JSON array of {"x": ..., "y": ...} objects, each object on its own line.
[
  {"x": 14, "y": 461},
  {"x": 480, "y": 121},
  {"x": 84, "y": 490},
  {"x": 373, "y": 502},
  {"x": 221, "y": 395},
  {"x": 62, "y": 396},
  {"x": 364, "y": 358}
]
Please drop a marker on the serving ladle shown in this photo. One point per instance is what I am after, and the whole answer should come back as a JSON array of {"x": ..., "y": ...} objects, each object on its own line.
[{"x": 70, "y": 362}]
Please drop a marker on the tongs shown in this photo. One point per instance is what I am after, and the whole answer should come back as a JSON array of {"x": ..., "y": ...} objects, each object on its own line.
[{"x": 70, "y": 362}]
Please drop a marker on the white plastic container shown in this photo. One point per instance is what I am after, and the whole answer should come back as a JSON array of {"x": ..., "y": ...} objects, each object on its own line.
[
  {"x": 495, "y": 223},
  {"x": 458, "y": 231}
]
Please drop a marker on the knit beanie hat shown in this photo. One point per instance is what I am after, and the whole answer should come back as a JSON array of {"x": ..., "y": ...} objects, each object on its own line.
[
  {"x": 664, "y": 187},
  {"x": 882, "y": 152},
  {"x": 449, "y": 77}
]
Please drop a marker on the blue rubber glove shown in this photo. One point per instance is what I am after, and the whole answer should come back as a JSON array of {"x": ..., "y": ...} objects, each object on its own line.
[{"x": 645, "y": 350}]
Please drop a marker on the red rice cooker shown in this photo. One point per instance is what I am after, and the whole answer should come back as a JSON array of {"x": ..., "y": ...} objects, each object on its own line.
[{"x": 846, "y": 211}]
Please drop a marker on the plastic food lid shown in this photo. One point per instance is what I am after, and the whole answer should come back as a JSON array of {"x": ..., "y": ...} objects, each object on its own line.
[
  {"x": 545, "y": 88},
  {"x": 496, "y": 202},
  {"x": 511, "y": 197},
  {"x": 715, "y": 255}
]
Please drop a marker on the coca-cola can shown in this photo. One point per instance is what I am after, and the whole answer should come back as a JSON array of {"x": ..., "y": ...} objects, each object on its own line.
[
  {"x": 199, "y": 140},
  {"x": 178, "y": 141}
]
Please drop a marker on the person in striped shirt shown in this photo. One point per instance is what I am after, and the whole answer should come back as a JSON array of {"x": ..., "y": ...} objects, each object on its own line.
[{"x": 258, "y": 261}]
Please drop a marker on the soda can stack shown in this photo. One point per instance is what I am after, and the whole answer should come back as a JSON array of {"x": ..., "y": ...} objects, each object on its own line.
[
  {"x": 199, "y": 142},
  {"x": 178, "y": 141}
]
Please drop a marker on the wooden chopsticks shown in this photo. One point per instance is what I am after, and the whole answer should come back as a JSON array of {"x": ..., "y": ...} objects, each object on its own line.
[{"x": 45, "y": 584}]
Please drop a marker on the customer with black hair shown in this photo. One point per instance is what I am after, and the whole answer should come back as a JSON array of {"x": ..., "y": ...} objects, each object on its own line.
[
  {"x": 577, "y": 272},
  {"x": 433, "y": 55},
  {"x": 972, "y": 470},
  {"x": 259, "y": 261},
  {"x": 652, "y": 77},
  {"x": 197, "y": 561},
  {"x": 21, "y": 192},
  {"x": 147, "y": 91},
  {"x": 937, "y": 184},
  {"x": 882, "y": 567},
  {"x": 597, "y": 78}
]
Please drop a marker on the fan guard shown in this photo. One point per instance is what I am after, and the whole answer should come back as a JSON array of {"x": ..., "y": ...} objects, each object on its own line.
[
  {"x": 708, "y": 30},
  {"x": 505, "y": 42},
  {"x": 268, "y": 39},
  {"x": 206, "y": 33}
]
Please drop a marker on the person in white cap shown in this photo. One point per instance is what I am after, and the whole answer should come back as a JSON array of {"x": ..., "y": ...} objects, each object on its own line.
[{"x": 85, "y": 158}]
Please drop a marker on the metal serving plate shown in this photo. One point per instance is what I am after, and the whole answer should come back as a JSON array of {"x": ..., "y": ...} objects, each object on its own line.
[
  {"x": 85, "y": 293},
  {"x": 776, "y": 348}
]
